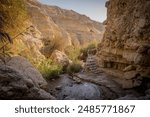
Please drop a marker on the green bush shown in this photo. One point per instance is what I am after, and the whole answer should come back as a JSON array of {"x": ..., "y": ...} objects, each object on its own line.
[
  {"x": 84, "y": 51},
  {"x": 72, "y": 53},
  {"x": 74, "y": 68},
  {"x": 89, "y": 47},
  {"x": 49, "y": 69}
]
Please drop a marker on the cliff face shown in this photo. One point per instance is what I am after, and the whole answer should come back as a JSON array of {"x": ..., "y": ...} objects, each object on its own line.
[
  {"x": 80, "y": 27},
  {"x": 42, "y": 29},
  {"x": 61, "y": 28},
  {"x": 126, "y": 39}
]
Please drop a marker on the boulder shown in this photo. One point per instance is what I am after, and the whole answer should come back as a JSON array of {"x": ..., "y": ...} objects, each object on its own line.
[
  {"x": 137, "y": 82},
  {"x": 20, "y": 80},
  {"x": 131, "y": 75},
  {"x": 142, "y": 60},
  {"x": 24, "y": 67},
  {"x": 61, "y": 58},
  {"x": 143, "y": 49},
  {"x": 132, "y": 79},
  {"x": 129, "y": 68}
]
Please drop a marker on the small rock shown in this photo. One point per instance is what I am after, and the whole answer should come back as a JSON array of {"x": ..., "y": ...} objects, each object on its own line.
[
  {"x": 129, "y": 68},
  {"x": 131, "y": 83},
  {"x": 137, "y": 82},
  {"x": 45, "y": 95},
  {"x": 146, "y": 73},
  {"x": 131, "y": 75},
  {"x": 139, "y": 68},
  {"x": 142, "y": 60},
  {"x": 58, "y": 88},
  {"x": 143, "y": 49}
]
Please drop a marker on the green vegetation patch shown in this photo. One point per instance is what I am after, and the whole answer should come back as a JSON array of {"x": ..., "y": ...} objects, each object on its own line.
[{"x": 49, "y": 69}]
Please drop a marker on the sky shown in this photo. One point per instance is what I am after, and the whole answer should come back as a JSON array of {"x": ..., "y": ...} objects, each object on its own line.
[{"x": 95, "y": 9}]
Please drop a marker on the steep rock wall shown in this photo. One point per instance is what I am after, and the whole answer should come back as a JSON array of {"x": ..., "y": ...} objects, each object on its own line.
[
  {"x": 126, "y": 43},
  {"x": 59, "y": 26}
]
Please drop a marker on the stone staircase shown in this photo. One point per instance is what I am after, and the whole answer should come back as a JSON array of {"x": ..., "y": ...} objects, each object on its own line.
[{"x": 91, "y": 65}]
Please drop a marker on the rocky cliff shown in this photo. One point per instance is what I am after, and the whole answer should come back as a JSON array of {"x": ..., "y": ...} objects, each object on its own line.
[
  {"x": 42, "y": 29},
  {"x": 59, "y": 26},
  {"x": 38, "y": 30},
  {"x": 126, "y": 43}
]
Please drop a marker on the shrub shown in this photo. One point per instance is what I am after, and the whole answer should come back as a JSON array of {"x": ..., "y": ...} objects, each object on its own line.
[
  {"x": 49, "y": 69},
  {"x": 74, "y": 68},
  {"x": 84, "y": 51},
  {"x": 72, "y": 53},
  {"x": 13, "y": 14},
  {"x": 89, "y": 47},
  {"x": 5, "y": 40}
]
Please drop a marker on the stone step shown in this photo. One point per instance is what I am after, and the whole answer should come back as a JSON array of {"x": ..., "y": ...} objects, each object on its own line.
[
  {"x": 93, "y": 67},
  {"x": 91, "y": 64},
  {"x": 90, "y": 61}
]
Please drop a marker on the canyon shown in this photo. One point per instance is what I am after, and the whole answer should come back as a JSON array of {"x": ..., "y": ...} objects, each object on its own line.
[{"x": 119, "y": 68}]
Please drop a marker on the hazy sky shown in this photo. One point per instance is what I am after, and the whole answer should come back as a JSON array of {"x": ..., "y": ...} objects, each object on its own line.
[{"x": 95, "y": 9}]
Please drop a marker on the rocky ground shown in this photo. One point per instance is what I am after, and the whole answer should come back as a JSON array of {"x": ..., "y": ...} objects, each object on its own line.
[
  {"x": 20, "y": 80},
  {"x": 88, "y": 86}
]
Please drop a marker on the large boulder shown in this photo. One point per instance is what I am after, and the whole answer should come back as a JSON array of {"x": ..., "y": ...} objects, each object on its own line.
[
  {"x": 61, "y": 58},
  {"x": 132, "y": 79},
  {"x": 24, "y": 67},
  {"x": 131, "y": 75},
  {"x": 20, "y": 80}
]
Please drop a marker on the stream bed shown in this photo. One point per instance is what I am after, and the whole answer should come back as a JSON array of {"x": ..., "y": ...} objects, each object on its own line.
[{"x": 65, "y": 88}]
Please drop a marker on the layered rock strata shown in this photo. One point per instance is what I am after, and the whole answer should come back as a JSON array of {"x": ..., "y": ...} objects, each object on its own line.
[{"x": 126, "y": 43}]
